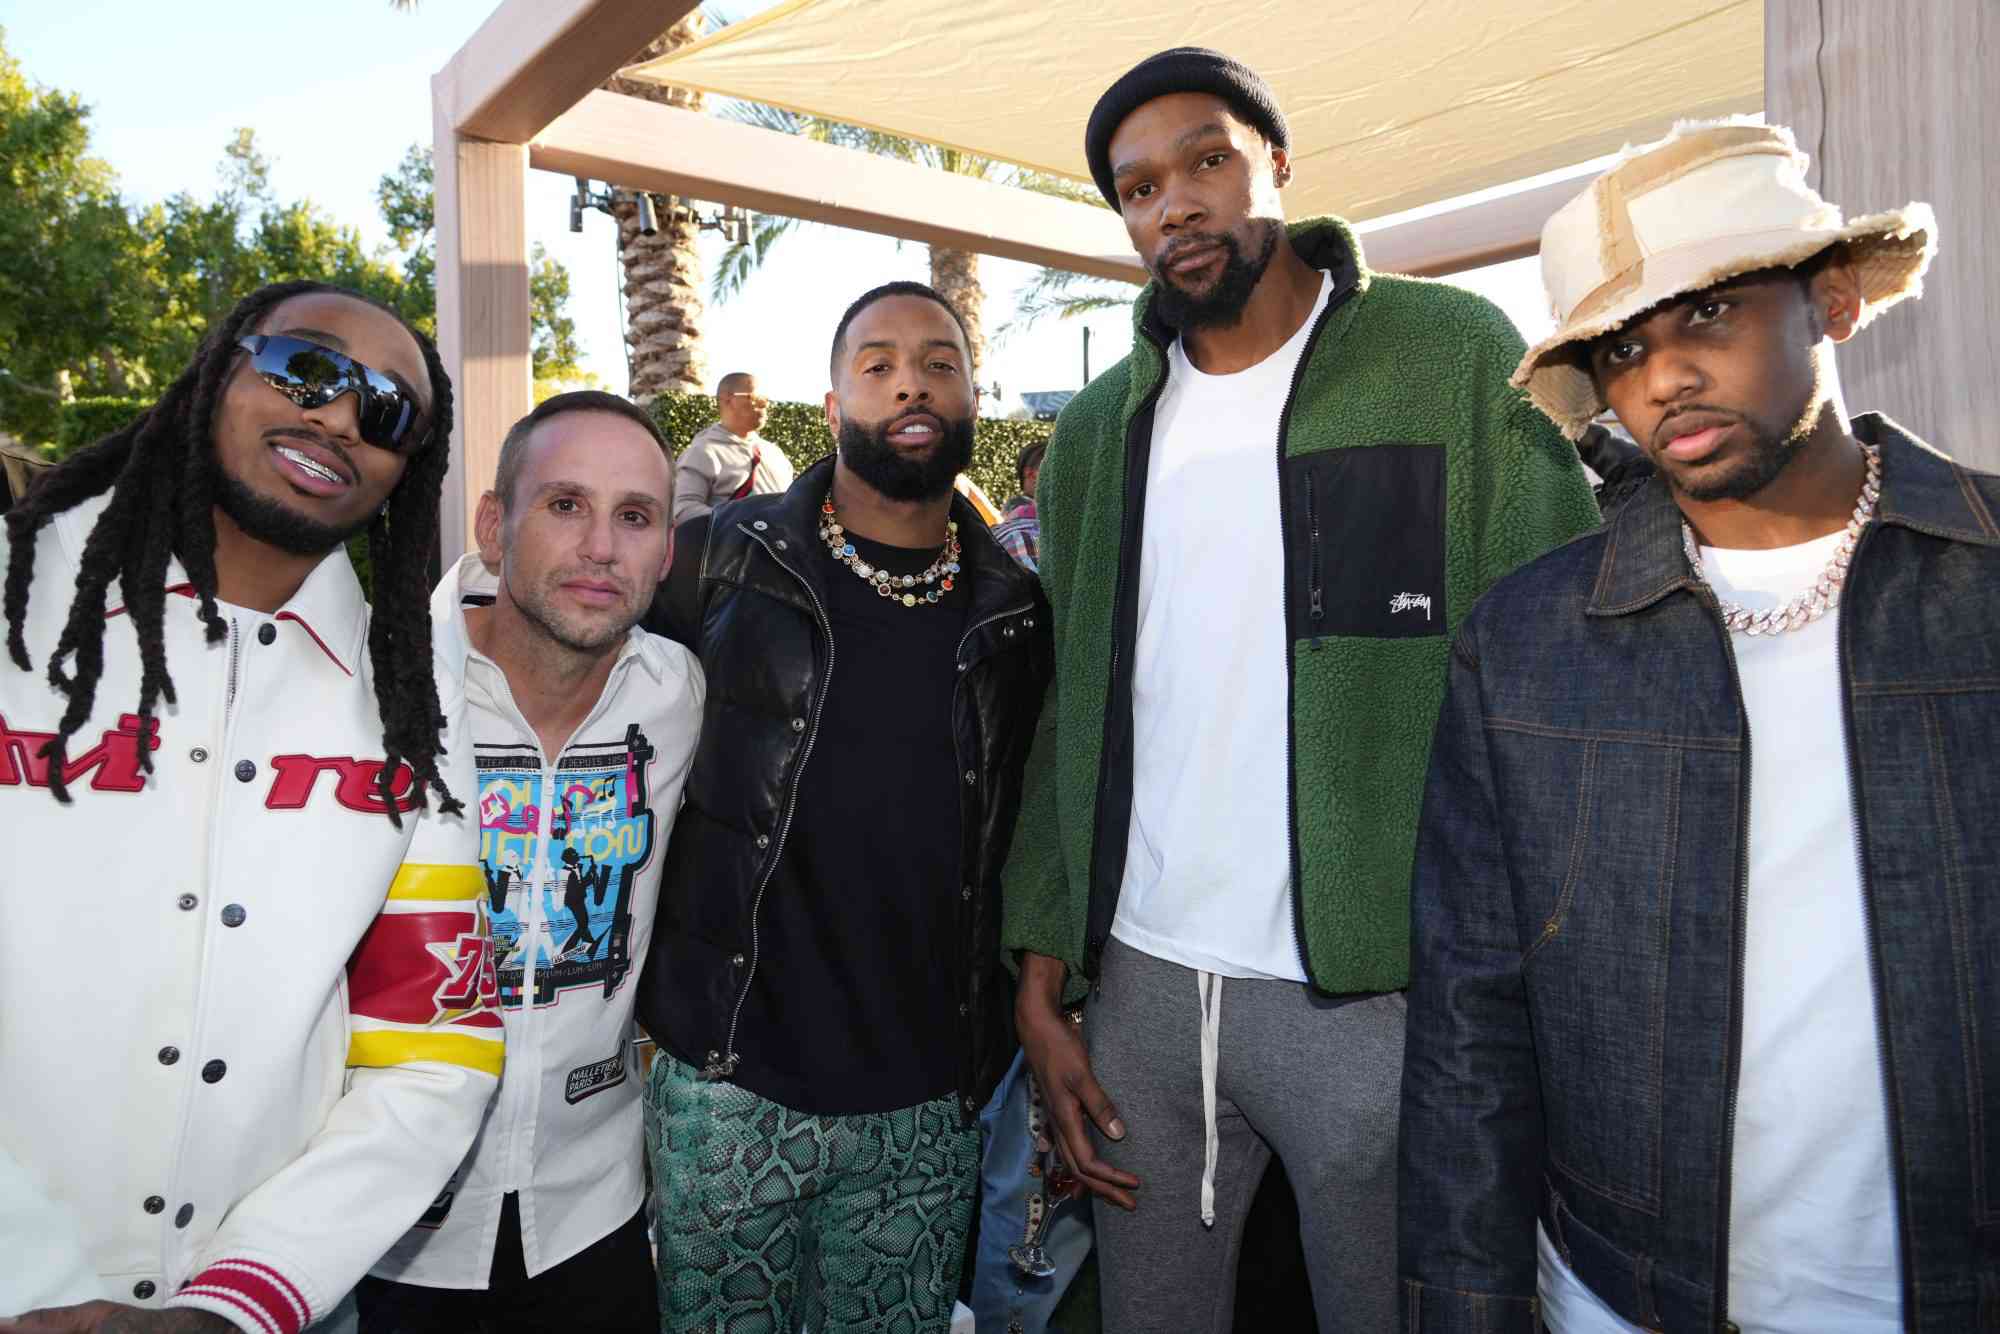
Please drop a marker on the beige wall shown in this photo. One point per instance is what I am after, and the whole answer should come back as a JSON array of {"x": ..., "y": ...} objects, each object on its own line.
[{"x": 1898, "y": 100}]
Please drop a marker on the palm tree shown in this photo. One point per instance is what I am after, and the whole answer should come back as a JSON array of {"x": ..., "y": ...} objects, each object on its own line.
[
  {"x": 1064, "y": 294},
  {"x": 663, "y": 305},
  {"x": 954, "y": 273}
]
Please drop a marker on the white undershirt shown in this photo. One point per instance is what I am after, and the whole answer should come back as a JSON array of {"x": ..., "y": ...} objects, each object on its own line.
[
  {"x": 1208, "y": 859},
  {"x": 1812, "y": 1220}
]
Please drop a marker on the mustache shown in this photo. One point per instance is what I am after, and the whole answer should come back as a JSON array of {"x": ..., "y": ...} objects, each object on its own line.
[{"x": 1181, "y": 245}]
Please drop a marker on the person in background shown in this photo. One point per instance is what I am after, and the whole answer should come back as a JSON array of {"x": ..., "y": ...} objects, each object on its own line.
[
  {"x": 583, "y": 726},
  {"x": 1019, "y": 531},
  {"x": 727, "y": 459}
]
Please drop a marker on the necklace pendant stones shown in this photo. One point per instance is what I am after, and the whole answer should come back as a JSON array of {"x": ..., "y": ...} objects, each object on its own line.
[{"x": 885, "y": 584}]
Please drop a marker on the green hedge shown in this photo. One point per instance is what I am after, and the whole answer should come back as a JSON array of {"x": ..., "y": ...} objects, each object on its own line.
[
  {"x": 85, "y": 421},
  {"x": 800, "y": 430}
]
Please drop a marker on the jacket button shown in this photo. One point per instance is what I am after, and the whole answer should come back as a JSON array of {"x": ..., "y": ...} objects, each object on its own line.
[
  {"x": 233, "y": 915},
  {"x": 714, "y": 1057},
  {"x": 962, "y": 666},
  {"x": 798, "y": 724},
  {"x": 186, "y": 902},
  {"x": 781, "y": 544},
  {"x": 763, "y": 840},
  {"x": 1027, "y": 622},
  {"x": 1007, "y": 632},
  {"x": 154, "y": 1204},
  {"x": 966, "y": 893},
  {"x": 970, "y": 778},
  {"x": 185, "y": 1214},
  {"x": 198, "y": 754},
  {"x": 267, "y": 633},
  {"x": 760, "y": 525},
  {"x": 963, "y": 1009},
  {"x": 213, "y": 1072},
  {"x": 735, "y": 961},
  {"x": 168, "y": 1055},
  {"x": 143, "y": 1289},
  {"x": 245, "y": 771}
]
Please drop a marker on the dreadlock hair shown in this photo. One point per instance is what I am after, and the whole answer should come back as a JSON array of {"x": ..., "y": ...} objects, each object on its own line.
[{"x": 161, "y": 471}]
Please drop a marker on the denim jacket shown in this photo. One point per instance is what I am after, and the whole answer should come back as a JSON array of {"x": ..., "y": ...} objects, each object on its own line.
[{"x": 1574, "y": 1034}]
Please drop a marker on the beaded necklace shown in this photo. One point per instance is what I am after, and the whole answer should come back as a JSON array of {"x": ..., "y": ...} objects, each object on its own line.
[{"x": 910, "y": 590}]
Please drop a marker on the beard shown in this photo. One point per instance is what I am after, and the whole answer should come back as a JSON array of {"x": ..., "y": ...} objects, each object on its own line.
[
  {"x": 578, "y": 634},
  {"x": 1222, "y": 304},
  {"x": 868, "y": 454},
  {"x": 1771, "y": 450},
  {"x": 275, "y": 524}
]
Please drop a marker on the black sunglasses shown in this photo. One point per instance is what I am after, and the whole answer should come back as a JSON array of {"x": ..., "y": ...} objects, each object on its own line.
[{"x": 312, "y": 376}]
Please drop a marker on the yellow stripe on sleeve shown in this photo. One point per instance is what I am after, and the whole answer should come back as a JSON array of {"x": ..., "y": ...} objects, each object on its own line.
[
  {"x": 381, "y": 1049},
  {"x": 439, "y": 884}
]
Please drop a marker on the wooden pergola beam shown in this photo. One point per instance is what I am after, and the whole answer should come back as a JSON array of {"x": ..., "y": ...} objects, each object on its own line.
[
  {"x": 527, "y": 64},
  {"x": 533, "y": 59},
  {"x": 647, "y": 146}
]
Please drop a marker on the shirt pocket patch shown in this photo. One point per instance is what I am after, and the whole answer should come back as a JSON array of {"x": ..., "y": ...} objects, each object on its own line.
[{"x": 1364, "y": 548}]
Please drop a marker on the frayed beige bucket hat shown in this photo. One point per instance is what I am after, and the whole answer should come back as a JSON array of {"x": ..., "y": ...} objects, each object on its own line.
[{"x": 1710, "y": 201}]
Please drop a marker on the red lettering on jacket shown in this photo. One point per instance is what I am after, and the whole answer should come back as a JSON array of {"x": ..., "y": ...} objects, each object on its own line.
[
  {"x": 113, "y": 763},
  {"x": 297, "y": 775}
]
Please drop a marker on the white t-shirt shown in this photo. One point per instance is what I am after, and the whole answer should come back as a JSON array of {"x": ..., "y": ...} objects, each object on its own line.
[
  {"x": 1208, "y": 859},
  {"x": 1812, "y": 1218}
]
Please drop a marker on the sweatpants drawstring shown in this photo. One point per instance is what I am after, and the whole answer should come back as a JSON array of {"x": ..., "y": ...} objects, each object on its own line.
[{"x": 1210, "y": 986}]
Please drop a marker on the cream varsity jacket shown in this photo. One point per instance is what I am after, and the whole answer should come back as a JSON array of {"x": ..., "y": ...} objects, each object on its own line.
[
  {"x": 570, "y": 847},
  {"x": 254, "y": 1030}
]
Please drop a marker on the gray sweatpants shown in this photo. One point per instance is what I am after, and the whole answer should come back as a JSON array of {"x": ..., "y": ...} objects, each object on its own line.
[{"x": 1312, "y": 1078}]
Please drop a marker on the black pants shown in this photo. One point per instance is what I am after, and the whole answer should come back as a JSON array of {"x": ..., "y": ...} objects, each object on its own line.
[{"x": 605, "y": 1288}]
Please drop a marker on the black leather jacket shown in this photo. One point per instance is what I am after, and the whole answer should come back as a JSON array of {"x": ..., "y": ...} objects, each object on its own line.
[{"x": 752, "y": 609}]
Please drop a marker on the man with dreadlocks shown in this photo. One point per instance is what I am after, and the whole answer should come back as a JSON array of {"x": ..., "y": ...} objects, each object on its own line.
[{"x": 269, "y": 1038}]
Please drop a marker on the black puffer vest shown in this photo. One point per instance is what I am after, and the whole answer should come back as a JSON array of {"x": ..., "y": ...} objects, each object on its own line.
[{"x": 755, "y": 616}]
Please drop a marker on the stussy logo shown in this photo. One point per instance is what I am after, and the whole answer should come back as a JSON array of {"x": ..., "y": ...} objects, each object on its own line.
[{"x": 1410, "y": 602}]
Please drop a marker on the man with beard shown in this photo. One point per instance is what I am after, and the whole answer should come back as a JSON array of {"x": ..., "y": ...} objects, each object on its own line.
[
  {"x": 825, "y": 983},
  {"x": 1257, "y": 530},
  {"x": 584, "y": 726},
  {"x": 1704, "y": 913},
  {"x": 268, "y": 1034}
]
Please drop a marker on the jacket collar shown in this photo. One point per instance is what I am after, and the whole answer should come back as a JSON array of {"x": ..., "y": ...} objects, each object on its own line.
[
  {"x": 1325, "y": 243},
  {"x": 470, "y": 579},
  {"x": 997, "y": 579},
  {"x": 1921, "y": 490},
  {"x": 328, "y": 606}
]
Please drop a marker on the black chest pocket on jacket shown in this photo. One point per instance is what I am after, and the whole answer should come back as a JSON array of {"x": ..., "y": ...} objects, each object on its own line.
[{"x": 1365, "y": 542}]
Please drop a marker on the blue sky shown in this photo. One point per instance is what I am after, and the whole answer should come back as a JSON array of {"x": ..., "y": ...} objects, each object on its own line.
[{"x": 169, "y": 85}]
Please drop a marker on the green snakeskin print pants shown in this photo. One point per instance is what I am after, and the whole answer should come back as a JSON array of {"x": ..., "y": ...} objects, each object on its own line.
[{"x": 772, "y": 1221}]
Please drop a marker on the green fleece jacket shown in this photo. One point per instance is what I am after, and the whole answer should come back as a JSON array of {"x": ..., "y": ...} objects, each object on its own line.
[{"x": 1399, "y": 362}]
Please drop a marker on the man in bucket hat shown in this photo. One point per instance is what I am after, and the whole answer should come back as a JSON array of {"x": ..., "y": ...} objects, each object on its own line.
[{"x": 1703, "y": 1015}]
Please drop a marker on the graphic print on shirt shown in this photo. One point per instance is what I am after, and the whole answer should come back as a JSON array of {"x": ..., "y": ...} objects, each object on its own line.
[{"x": 601, "y": 831}]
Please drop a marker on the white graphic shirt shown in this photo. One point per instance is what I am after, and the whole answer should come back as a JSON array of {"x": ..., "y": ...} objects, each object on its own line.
[{"x": 571, "y": 852}]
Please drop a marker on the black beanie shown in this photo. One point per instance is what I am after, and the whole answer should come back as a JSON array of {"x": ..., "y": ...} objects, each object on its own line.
[{"x": 1185, "y": 69}]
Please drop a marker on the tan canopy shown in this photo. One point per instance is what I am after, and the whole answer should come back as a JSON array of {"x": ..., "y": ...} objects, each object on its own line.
[{"x": 1391, "y": 105}]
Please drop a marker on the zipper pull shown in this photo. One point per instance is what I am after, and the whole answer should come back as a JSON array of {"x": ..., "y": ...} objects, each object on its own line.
[{"x": 718, "y": 1067}]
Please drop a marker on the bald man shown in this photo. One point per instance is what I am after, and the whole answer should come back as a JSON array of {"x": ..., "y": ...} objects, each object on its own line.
[{"x": 729, "y": 460}]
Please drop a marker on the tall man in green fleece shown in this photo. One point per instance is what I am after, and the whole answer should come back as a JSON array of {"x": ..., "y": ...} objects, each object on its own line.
[{"x": 1260, "y": 530}]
